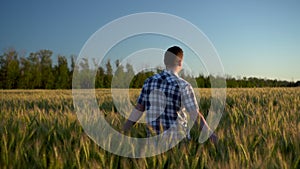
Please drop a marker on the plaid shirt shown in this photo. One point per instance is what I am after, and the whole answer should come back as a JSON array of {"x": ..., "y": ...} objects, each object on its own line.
[{"x": 164, "y": 97}]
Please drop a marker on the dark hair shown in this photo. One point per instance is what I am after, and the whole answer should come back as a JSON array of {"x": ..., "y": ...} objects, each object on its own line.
[{"x": 172, "y": 55}]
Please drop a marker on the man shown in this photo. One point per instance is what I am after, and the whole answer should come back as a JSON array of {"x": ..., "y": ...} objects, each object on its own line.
[{"x": 164, "y": 97}]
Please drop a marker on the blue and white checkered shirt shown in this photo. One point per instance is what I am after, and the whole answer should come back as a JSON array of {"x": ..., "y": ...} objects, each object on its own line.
[{"x": 164, "y": 96}]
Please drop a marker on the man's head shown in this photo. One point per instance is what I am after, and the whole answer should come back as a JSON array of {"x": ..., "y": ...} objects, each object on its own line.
[{"x": 173, "y": 58}]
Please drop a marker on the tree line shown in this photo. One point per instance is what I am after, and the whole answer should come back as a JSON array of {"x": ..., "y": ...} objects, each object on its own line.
[{"x": 37, "y": 71}]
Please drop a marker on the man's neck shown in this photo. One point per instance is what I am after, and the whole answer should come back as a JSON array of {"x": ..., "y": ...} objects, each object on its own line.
[{"x": 174, "y": 71}]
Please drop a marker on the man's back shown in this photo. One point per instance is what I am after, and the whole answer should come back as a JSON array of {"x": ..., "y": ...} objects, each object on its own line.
[{"x": 162, "y": 97}]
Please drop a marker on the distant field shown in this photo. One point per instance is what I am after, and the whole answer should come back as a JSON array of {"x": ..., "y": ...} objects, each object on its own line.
[{"x": 260, "y": 128}]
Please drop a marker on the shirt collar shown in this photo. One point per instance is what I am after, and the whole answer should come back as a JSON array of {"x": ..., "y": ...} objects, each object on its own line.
[{"x": 172, "y": 72}]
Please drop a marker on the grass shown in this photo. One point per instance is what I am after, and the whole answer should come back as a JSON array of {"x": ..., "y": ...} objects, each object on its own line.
[{"x": 259, "y": 129}]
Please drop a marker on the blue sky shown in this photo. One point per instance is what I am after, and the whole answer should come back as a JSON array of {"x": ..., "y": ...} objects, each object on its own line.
[{"x": 253, "y": 38}]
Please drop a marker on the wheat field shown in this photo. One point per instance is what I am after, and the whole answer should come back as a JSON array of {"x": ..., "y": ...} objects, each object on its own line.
[{"x": 260, "y": 128}]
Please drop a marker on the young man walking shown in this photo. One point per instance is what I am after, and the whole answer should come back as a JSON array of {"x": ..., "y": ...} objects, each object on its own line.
[{"x": 164, "y": 97}]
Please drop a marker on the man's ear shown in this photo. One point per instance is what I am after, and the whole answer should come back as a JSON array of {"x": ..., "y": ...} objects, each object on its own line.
[{"x": 179, "y": 63}]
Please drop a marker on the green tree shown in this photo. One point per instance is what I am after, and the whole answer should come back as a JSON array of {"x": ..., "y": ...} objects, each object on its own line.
[
  {"x": 119, "y": 78},
  {"x": 62, "y": 73},
  {"x": 46, "y": 69},
  {"x": 139, "y": 79},
  {"x": 9, "y": 71},
  {"x": 109, "y": 75},
  {"x": 35, "y": 70},
  {"x": 100, "y": 78},
  {"x": 200, "y": 81},
  {"x": 73, "y": 64},
  {"x": 129, "y": 74},
  {"x": 85, "y": 78},
  {"x": 25, "y": 74}
]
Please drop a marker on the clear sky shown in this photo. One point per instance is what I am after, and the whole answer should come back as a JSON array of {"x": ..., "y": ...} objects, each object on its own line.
[{"x": 259, "y": 38}]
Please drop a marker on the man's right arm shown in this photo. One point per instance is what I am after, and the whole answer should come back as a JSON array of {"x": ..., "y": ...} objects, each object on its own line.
[
  {"x": 135, "y": 115},
  {"x": 191, "y": 105},
  {"x": 204, "y": 126}
]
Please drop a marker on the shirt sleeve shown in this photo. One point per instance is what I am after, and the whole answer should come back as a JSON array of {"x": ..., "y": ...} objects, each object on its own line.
[
  {"x": 141, "y": 102},
  {"x": 189, "y": 99}
]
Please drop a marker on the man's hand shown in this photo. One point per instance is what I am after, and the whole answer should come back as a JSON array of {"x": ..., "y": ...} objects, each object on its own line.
[
  {"x": 127, "y": 126},
  {"x": 135, "y": 115},
  {"x": 214, "y": 138}
]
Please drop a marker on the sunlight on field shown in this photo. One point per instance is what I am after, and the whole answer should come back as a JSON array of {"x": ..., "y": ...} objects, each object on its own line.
[{"x": 259, "y": 129}]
